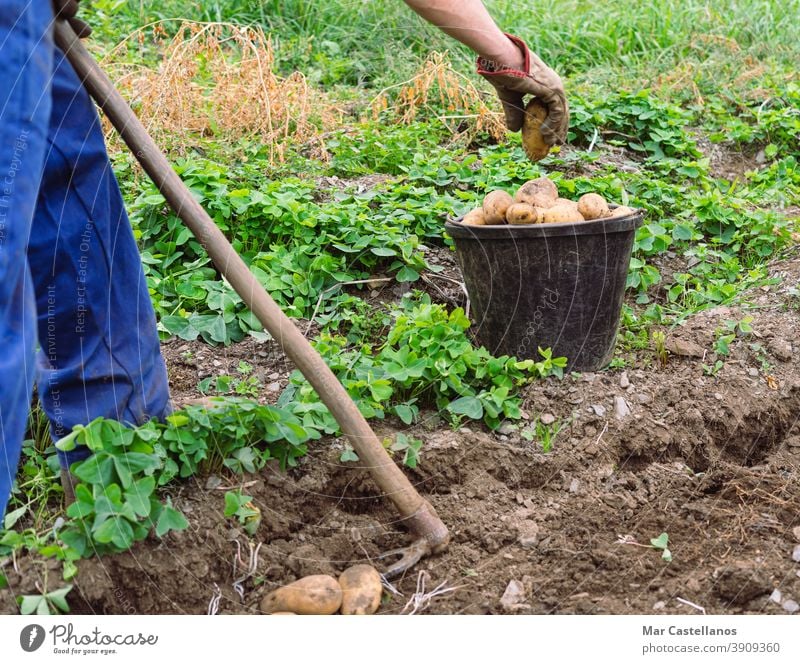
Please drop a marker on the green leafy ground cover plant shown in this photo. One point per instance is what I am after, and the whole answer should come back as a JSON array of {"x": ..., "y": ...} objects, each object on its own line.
[{"x": 427, "y": 360}]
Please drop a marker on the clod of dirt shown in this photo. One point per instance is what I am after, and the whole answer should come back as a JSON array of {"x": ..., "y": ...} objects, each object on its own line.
[
  {"x": 683, "y": 347},
  {"x": 781, "y": 349},
  {"x": 528, "y": 536},
  {"x": 790, "y": 606},
  {"x": 621, "y": 408},
  {"x": 547, "y": 418},
  {"x": 740, "y": 582},
  {"x": 514, "y": 596}
]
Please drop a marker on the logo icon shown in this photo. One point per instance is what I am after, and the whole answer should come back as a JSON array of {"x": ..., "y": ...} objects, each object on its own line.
[{"x": 31, "y": 637}]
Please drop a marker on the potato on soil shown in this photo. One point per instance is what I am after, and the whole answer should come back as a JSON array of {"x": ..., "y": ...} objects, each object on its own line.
[
  {"x": 316, "y": 595},
  {"x": 474, "y": 217},
  {"x": 562, "y": 213},
  {"x": 495, "y": 205},
  {"x": 361, "y": 590},
  {"x": 532, "y": 141},
  {"x": 522, "y": 213},
  {"x": 593, "y": 206},
  {"x": 540, "y": 192},
  {"x": 621, "y": 211}
]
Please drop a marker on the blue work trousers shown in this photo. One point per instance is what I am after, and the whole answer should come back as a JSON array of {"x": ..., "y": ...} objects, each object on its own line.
[{"x": 75, "y": 313}]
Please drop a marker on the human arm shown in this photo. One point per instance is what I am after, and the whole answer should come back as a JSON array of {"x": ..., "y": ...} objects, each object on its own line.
[{"x": 505, "y": 61}]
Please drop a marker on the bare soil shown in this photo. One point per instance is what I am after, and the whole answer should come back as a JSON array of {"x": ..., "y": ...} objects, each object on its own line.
[{"x": 713, "y": 461}]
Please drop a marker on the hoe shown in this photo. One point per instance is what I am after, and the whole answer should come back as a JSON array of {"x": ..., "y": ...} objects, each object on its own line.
[{"x": 429, "y": 533}]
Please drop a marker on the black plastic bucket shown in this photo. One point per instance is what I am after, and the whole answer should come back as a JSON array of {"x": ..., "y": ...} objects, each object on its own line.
[{"x": 556, "y": 286}]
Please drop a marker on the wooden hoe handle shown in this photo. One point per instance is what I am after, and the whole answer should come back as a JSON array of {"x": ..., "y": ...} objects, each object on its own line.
[{"x": 415, "y": 512}]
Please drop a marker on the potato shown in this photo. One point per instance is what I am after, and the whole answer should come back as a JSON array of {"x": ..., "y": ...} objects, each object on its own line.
[
  {"x": 495, "y": 205},
  {"x": 522, "y": 213},
  {"x": 621, "y": 211},
  {"x": 565, "y": 201},
  {"x": 316, "y": 595},
  {"x": 540, "y": 192},
  {"x": 561, "y": 213},
  {"x": 593, "y": 206},
  {"x": 361, "y": 590},
  {"x": 474, "y": 217},
  {"x": 532, "y": 141}
]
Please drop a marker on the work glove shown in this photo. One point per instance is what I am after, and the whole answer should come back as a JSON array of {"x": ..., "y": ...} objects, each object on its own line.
[
  {"x": 68, "y": 10},
  {"x": 535, "y": 79}
]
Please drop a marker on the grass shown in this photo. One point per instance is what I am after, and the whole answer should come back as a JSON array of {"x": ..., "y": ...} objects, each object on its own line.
[{"x": 630, "y": 44}]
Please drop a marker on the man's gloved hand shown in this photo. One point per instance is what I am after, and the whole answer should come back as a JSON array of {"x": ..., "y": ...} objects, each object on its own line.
[
  {"x": 68, "y": 10},
  {"x": 535, "y": 78}
]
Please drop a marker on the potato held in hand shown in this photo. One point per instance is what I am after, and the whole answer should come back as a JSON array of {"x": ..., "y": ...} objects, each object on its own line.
[
  {"x": 593, "y": 206},
  {"x": 474, "y": 217},
  {"x": 316, "y": 595},
  {"x": 532, "y": 141},
  {"x": 361, "y": 590},
  {"x": 495, "y": 206},
  {"x": 522, "y": 213}
]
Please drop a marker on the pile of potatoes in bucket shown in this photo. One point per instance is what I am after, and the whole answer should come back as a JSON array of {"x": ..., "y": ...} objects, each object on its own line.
[
  {"x": 357, "y": 592},
  {"x": 537, "y": 202}
]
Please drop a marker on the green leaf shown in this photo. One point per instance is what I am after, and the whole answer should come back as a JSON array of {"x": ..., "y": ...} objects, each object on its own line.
[
  {"x": 116, "y": 530},
  {"x": 232, "y": 503},
  {"x": 138, "y": 495},
  {"x": 170, "y": 519},
  {"x": 30, "y": 604},
  {"x": 14, "y": 516},
  {"x": 404, "y": 412},
  {"x": 661, "y": 541},
  {"x": 58, "y": 597},
  {"x": 97, "y": 469},
  {"x": 469, "y": 406},
  {"x": 407, "y": 274}
]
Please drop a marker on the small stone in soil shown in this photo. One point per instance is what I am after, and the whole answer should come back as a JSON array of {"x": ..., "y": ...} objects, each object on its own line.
[
  {"x": 776, "y": 596},
  {"x": 514, "y": 596},
  {"x": 659, "y": 605},
  {"x": 790, "y": 606},
  {"x": 796, "y": 554},
  {"x": 752, "y": 371},
  {"x": 718, "y": 396},
  {"x": 624, "y": 381},
  {"x": 621, "y": 408},
  {"x": 574, "y": 485},
  {"x": 796, "y": 533},
  {"x": 528, "y": 536},
  {"x": 547, "y": 418},
  {"x": 599, "y": 410},
  {"x": 506, "y": 429},
  {"x": 274, "y": 387}
]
